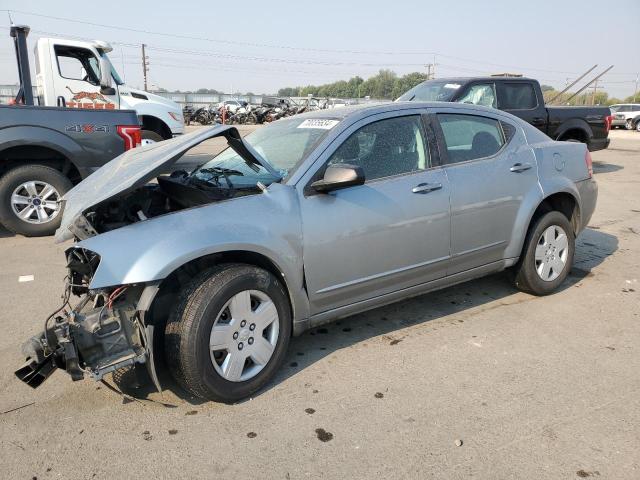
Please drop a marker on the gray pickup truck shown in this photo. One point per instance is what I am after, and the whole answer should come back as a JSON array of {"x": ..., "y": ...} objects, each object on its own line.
[{"x": 45, "y": 151}]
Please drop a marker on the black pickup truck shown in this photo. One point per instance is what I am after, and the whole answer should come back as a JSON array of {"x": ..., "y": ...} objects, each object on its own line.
[
  {"x": 44, "y": 151},
  {"x": 523, "y": 98}
]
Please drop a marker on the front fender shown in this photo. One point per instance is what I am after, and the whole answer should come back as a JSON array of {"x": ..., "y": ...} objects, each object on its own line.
[
  {"x": 159, "y": 111},
  {"x": 267, "y": 224}
]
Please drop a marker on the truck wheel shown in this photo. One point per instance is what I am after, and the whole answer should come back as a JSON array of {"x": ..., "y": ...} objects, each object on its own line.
[
  {"x": 547, "y": 255},
  {"x": 228, "y": 333},
  {"x": 149, "y": 137},
  {"x": 29, "y": 199}
]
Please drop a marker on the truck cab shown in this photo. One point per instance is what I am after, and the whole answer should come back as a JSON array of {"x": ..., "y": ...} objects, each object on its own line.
[
  {"x": 68, "y": 75},
  {"x": 523, "y": 98}
]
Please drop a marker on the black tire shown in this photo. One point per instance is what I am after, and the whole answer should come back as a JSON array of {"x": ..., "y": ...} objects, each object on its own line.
[
  {"x": 17, "y": 176},
  {"x": 151, "y": 136},
  {"x": 526, "y": 275},
  {"x": 190, "y": 323},
  {"x": 629, "y": 124}
]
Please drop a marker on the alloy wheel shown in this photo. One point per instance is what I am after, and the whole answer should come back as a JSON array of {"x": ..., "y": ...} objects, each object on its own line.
[
  {"x": 35, "y": 202},
  {"x": 552, "y": 251}
]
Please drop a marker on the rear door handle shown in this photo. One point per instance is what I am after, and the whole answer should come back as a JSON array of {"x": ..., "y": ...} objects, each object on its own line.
[
  {"x": 520, "y": 167},
  {"x": 426, "y": 187}
]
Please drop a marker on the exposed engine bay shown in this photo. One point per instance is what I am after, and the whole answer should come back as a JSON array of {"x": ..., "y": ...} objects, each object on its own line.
[{"x": 171, "y": 193}]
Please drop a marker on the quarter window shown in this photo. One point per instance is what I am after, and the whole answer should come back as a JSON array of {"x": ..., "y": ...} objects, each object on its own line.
[
  {"x": 385, "y": 148},
  {"x": 469, "y": 137},
  {"x": 518, "y": 96}
]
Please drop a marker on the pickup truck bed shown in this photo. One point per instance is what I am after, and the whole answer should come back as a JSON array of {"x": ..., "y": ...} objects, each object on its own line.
[{"x": 44, "y": 151}]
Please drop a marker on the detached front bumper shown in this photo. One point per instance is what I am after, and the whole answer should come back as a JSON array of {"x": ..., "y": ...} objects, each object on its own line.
[{"x": 102, "y": 334}]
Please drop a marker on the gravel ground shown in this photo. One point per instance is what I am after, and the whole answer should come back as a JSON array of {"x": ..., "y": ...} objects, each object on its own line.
[{"x": 475, "y": 381}]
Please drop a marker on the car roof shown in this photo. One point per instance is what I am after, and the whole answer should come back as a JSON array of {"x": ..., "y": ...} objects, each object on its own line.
[
  {"x": 372, "y": 108},
  {"x": 481, "y": 79}
]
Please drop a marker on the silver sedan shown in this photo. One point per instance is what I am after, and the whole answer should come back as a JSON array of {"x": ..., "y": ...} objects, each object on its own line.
[{"x": 312, "y": 218}]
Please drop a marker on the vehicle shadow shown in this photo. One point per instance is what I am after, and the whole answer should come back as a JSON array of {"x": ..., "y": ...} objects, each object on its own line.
[
  {"x": 4, "y": 233},
  {"x": 604, "y": 167},
  {"x": 388, "y": 322}
]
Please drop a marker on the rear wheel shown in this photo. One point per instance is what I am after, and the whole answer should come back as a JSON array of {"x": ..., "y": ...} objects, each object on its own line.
[
  {"x": 547, "y": 255},
  {"x": 30, "y": 199},
  {"x": 629, "y": 124},
  {"x": 229, "y": 332}
]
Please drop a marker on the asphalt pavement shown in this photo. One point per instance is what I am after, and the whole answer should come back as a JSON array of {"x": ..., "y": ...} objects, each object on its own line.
[{"x": 474, "y": 381}]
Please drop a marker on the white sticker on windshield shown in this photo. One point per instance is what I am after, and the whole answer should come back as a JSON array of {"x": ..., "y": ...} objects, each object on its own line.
[
  {"x": 319, "y": 123},
  {"x": 452, "y": 85}
]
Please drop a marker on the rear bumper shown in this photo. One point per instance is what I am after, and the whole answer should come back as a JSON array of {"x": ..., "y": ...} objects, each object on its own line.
[
  {"x": 588, "y": 190},
  {"x": 598, "y": 144}
]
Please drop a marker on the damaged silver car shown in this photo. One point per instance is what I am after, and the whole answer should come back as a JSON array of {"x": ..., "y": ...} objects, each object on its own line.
[{"x": 312, "y": 218}]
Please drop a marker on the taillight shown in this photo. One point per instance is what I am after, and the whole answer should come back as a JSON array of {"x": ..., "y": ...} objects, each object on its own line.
[
  {"x": 608, "y": 120},
  {"x": 131, "y": 135},
  {"x": 589, "y": 162}
]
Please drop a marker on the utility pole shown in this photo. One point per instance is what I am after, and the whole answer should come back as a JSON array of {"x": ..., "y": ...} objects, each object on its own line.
[
  {"x": 595, "y": 90},
  {"x": 428, "y": 66},
  {"x": 431, "y": 69},
  {"x": 635, "y": 92},
  {"x": 145, "y": 66}
]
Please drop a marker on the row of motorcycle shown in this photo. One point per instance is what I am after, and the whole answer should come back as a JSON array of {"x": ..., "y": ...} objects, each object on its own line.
[{"x": 242, "y": 115}]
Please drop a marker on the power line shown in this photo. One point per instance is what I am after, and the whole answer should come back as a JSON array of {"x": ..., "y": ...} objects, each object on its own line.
[
  {"x": 214, "y": 40},
  {"x": 293, "y": 48}
]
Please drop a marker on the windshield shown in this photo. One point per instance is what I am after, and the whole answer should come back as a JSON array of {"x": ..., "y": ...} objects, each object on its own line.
[
  {"x": 431, "y": 91},
  {"x": 114, "y": 73},
  {"x": 283, "y": 144}
]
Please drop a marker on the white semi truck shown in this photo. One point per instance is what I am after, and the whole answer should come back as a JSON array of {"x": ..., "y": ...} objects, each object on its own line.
[{"x": 69, "y": 73}]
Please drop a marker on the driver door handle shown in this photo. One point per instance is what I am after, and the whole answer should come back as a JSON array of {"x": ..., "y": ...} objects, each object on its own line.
[
  {"x": 426, "y": 187},
  {"x": 520, "y": 167}
]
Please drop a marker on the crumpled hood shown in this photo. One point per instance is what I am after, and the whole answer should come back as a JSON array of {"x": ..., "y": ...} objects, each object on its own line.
[{"x": 137, "y": 167}]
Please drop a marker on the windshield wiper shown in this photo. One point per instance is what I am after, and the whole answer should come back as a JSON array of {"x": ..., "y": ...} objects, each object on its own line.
[
  {"x": 222, "y": 171},
  {"x": 216, "y": 173}
]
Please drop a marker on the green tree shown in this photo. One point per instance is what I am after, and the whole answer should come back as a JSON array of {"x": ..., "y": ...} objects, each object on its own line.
[{"x": 384, "y": 85}]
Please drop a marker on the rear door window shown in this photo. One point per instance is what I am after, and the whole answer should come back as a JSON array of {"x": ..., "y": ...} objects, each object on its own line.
[
  {"x": 470, "y": 137},
  {"x": 518, "y": 96}
]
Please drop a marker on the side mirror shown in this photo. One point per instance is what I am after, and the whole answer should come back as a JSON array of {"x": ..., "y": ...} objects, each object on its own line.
[
  {"x": 105, "y": 78},
  {"x": 339, "y": 176}
]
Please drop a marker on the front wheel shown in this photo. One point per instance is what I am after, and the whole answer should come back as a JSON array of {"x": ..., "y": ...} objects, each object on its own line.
[
  {"x": 150, "y": 137},
  {"x": 228, "y": 333},
  {"x": 629, "y": 124},
  {"x": 547, "y": 255}
]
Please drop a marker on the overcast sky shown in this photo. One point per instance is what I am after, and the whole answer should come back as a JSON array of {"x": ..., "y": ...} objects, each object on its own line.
[{"x": 262, "y": 46}]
